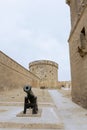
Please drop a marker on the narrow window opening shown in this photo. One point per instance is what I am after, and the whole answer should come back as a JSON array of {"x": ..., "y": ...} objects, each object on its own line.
[
  {"x": 83, "y": 31},
  {"x": 82, "y": 38}
]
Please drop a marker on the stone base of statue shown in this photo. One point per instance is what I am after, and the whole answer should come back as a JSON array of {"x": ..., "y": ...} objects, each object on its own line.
[{"x": 29, "y": 113}]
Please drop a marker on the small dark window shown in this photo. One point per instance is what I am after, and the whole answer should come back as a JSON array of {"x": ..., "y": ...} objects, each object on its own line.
[
  {"x": 82, "y": 38},
  {"x": 83, "y": 31}
]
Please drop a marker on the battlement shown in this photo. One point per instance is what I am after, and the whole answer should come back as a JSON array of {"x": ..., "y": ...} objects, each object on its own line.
[{"x": 43, "y": 62}]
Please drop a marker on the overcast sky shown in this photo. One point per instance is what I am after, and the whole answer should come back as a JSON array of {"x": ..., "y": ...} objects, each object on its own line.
[{"x": 33, "y": 30}]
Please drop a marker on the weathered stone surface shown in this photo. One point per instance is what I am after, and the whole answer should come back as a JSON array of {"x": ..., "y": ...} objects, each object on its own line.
[
  {"x": 47, "y": 71},
  {"x": 42, "y": 74},
  {"x": 60, "y": 114},
  {"x": 13, "y": 75},
  {"x": 29, "y": 113},
  {"x": 78, "y": 61}
]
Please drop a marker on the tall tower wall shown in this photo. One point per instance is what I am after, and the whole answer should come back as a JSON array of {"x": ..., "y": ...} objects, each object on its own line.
[
  {"x": 78, "y": 52},
  {"x": 47, "y": 71}
]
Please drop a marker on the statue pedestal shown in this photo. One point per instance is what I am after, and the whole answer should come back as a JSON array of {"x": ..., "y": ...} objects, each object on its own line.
[{"x": 29, "y": 113}]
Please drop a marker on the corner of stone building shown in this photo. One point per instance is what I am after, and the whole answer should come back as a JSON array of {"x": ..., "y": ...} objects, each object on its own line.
[{"x": 78, "y": 52}]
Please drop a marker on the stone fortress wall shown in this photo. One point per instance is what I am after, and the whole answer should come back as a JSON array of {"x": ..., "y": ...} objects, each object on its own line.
[
  {"x": 65, "y": 84},
  {"x": 41, "y": 73},
  {"x": 47, "y": 71},
  {"x": 13, "y": 75},
  {"x": 78, "y": 50}
]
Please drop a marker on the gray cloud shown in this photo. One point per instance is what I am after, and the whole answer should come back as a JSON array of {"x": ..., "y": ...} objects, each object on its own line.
[{"x": 36, "y": 29}]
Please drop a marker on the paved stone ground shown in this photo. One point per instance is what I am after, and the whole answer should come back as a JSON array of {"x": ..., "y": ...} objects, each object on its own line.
[
  {"x": 48, "y": 119},
  {"x": 73, "y": 116},
  {"x": 58, "y": 112}
]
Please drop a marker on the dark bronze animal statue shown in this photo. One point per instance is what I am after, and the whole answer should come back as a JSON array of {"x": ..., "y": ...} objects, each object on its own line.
[{"x": 30, "y": 100}]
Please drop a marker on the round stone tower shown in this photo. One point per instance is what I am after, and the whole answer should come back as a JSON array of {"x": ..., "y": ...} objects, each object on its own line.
[{"x": 47, "y": 71}]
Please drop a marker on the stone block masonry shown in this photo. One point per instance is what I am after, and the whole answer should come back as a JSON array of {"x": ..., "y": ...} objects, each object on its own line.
[
  {"x": 47, "y": 71},
  {"x": 78, "y": 51},
  {"x": 13, "y": 75},
  {"x": 41, "y": 74}
]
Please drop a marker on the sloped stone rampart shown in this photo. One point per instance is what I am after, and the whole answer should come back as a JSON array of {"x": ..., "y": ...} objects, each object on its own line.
[{"x": 13, "y": 75}]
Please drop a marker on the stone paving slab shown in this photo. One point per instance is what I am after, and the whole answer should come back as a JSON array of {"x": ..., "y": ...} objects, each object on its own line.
[
  {"x": 47, "y": 120},
  {"x": 73, "y": 116},
  {"x": 26, "y": 129},
  {"x": 29, "y": 113},
  {"x": 61, "y": 114},
  {"x": 22, "y": 104},
  {"x": 31, "y": 126}
]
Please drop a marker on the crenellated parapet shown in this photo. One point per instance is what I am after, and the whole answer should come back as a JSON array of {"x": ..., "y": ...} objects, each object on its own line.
[{"x": 43, "y": 62}]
